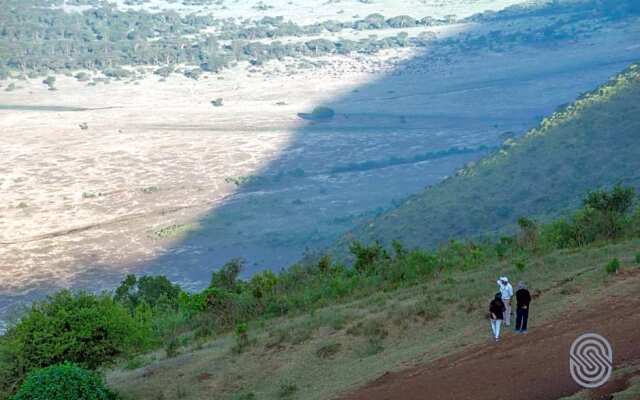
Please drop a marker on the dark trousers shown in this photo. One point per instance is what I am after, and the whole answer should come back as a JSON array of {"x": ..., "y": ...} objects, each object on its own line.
[{"x": 522, "y": 317}]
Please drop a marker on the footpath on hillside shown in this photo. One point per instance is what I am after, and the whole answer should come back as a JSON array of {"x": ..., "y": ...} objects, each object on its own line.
[{"x": 534, "y": 366}]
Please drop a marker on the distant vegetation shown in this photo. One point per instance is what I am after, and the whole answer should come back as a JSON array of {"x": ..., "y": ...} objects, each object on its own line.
[
  {"x": 145, "y": 313},
  {"x": 318, "y": 114},
  {"x": 37, "y": 40},
  {"x": 592, "y": 142},
  {"x": 375, "y": 164}
]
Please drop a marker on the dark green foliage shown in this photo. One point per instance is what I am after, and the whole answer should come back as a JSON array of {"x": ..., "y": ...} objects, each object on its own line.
[
  {"x": 324, "y": 265},
  {"x": 603, "y": 217},
  {"x": 155, "y": 291},
  {"x": 83, "y": 328},
  {"x": 368, "y": 258},
  {"x": 613, "y": 266},
  {"x": 618, "y": 200},
  {"x": 227, "y": 277},
  {"x": 637, "y": 258},
  {"x": 41, "y": 39},
  {"x": 63, "y": 382}
]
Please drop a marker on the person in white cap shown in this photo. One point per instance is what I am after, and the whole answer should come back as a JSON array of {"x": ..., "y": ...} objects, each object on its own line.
[{"x": 506, "y": 290}]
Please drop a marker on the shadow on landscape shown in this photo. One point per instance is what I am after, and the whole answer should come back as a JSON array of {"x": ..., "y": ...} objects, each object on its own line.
[{"x": 388, "y": 139}]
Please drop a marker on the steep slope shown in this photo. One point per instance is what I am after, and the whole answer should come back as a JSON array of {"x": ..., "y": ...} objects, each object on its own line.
[
  {"x": 591, "y": 143},
  {"x": 540, "y": 357}
]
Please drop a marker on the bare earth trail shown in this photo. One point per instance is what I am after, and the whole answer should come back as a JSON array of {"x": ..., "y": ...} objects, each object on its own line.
[{"x": 532, "y": 367}]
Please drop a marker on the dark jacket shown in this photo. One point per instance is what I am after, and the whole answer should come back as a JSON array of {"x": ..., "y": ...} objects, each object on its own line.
[
  {"x": 497, "y": 307},
  {"x": 523, "y": 297}
]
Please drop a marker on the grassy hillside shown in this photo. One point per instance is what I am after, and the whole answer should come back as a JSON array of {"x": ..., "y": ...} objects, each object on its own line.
[
  {"x": 591, "y": 143},
  {"x": 320, "y": 354}
]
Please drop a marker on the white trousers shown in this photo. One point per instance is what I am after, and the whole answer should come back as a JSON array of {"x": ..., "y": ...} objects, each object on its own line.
[{"x": 495, "y": 327}]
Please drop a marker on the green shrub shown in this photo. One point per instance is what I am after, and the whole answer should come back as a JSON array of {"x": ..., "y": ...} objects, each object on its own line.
[
  {"x": 368, "y": 257},
  {"x": 156, "y": 291},
  {"x": 86, "y": 329},
  {"x": 637, "y": 258},
  {"x": 63, "y": 382},
  {"x": 613, "y": 266},
  {"x": 242, "y": 338},
  {"x": 322, "y": 112}
]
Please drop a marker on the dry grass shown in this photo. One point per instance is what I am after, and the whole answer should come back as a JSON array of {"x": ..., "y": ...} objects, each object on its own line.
[{"x": 344, "y": 346}]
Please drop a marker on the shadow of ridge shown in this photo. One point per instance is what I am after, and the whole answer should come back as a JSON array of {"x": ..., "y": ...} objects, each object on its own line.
[{"x": 344, "y": 170}]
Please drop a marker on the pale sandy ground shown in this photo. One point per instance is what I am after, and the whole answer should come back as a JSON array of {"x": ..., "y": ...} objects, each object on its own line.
[{"x": 56, "y": 178}]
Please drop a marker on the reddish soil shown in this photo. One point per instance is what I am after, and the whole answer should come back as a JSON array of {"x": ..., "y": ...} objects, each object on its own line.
[{"x": 534, "y": 366}]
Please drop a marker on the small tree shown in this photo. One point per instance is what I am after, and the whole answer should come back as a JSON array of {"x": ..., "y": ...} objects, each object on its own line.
[
  {"x": 613, "y": 266},
  {"x": 50, "y": 81},
  {"x": 618, "y": 200},
  {"x": 227, "y": 277},
  {"x": 156, "y": 291},
  {"x": 367, "y": 256},
  {"x": 83, "y": 328},
  {"x": 324, "y": 264}
]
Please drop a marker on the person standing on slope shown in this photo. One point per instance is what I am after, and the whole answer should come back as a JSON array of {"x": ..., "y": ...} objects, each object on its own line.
[
  {"x": 523, "y": 299},
  {"x": 506, "y": 290},
  {"x": 496, "y": 311}
]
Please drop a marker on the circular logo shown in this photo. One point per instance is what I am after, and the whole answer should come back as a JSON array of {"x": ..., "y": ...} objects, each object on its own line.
[{"x": 591, "y": 360}]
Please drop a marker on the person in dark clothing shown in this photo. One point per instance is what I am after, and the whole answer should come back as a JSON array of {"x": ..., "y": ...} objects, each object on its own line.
[
  {"x": 496, "y": 311},
  {"x": 523, "y": 299}
]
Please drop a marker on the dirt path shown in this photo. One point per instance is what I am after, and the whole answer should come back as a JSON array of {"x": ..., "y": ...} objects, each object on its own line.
[{"x": 533, "y": 366}]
